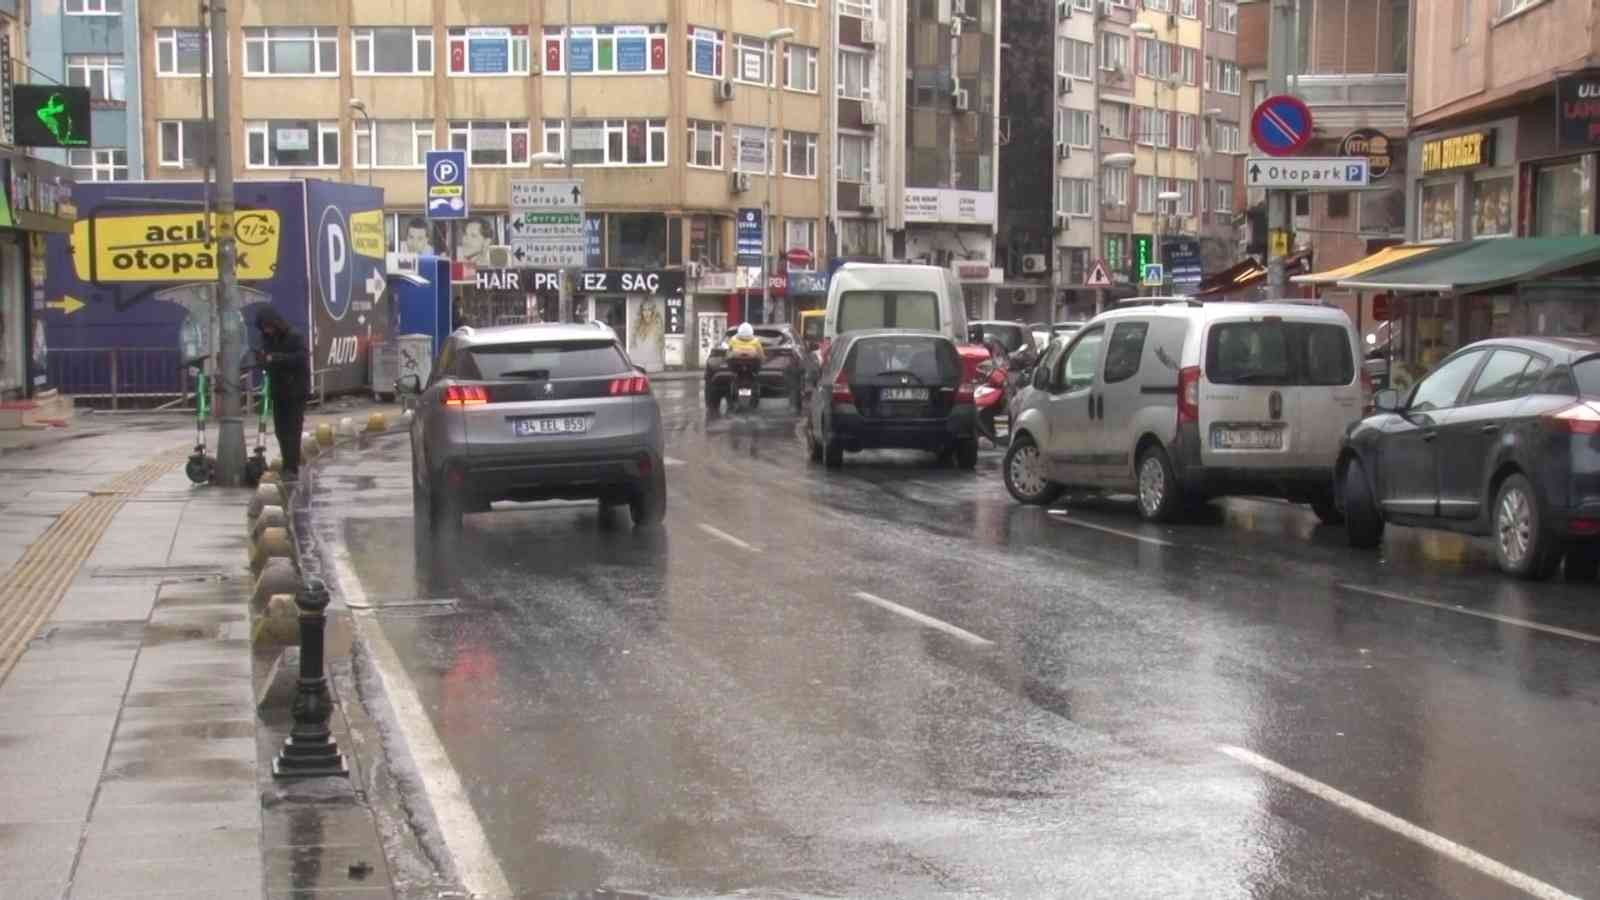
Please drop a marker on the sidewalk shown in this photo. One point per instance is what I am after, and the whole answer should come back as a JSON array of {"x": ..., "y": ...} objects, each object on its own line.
[{"x": 129, "y": 735}]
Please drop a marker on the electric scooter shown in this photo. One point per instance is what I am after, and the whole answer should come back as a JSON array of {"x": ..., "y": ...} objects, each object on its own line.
[
  {"x": 256, "y": 465},
  {"x": 201, "y": 467}
]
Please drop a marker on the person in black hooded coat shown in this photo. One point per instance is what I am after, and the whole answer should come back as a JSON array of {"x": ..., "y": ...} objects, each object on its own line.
[{"x": 288, "y": 363}]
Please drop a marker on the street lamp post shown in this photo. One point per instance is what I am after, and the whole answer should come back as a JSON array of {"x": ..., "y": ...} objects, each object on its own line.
[
  {"x": 360, "y": 107},
  {"x": 769, "y": 243}
]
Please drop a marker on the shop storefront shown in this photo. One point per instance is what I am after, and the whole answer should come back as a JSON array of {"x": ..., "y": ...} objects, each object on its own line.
[
  {"x": 35, "y": 200},
  {"x": 1465, "y": 185},
  {"x": 634, "y": 303},
  {"x": 979, "y": 281},
  {"x": 708, "y": 312},
  {"x": 509, "y": 297}
]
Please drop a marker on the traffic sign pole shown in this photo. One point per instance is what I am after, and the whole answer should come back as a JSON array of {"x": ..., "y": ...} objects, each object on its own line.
[{"x": 1280, "y": 46}]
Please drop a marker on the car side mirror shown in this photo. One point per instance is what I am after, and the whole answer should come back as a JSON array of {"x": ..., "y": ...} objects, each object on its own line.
[
  {"x": 408, "y": 384},
  {"x": 1387, "y": 400}
]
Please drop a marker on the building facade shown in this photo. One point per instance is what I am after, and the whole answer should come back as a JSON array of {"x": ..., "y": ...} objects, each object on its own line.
[
  {"x": 1077, "y": 71},
  {"x": 93, "y": 44}
]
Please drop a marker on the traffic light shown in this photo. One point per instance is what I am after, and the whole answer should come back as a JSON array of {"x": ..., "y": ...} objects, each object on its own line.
[{"x": 50, "y": 115}]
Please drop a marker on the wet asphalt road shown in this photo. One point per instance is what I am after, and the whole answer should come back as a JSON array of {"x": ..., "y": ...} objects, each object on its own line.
[{"x": 679, "y": 715}]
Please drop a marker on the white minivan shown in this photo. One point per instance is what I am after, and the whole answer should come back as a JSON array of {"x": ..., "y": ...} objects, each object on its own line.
[
  {"x": 1178, "y": 400},
  {"x": 864, "y": 296}
]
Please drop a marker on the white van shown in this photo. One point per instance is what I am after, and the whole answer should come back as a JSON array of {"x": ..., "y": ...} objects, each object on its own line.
[
  {"x": 865, "y": 296},
  {"x": 1178, "y": 400}
]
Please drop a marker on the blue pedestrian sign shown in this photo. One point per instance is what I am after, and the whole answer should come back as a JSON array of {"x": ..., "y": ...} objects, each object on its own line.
[
  {"x": 1155, "y": 275},
  {"x": 447, "y": 184},
  {"x": 1281, "y": 125}
]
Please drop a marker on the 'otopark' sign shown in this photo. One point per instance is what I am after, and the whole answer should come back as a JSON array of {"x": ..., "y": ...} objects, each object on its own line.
[{"x": 171, "y": 247}]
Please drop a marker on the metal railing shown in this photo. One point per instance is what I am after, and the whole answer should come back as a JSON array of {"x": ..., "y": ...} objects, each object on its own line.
[{"x": 119, "y": 378}]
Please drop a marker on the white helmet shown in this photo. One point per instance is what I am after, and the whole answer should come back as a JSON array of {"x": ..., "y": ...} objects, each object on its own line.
[{"x": 746, "y": 331}]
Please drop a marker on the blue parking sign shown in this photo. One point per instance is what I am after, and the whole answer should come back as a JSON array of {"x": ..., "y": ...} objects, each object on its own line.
[{"x": 447, "y": 184}]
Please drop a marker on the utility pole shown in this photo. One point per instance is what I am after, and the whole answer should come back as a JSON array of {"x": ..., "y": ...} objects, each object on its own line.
[
  {"x": 230, "y": 349},
  {"x": 1280, "y": 40},
  {"x": 564, "y": 305}
]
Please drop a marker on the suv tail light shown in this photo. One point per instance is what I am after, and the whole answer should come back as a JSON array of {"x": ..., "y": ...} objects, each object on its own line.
[
  {"x": 465, "y": 395},
  {"x": 1189, "y": 394},
  {"x": 841, "y": 389},
  {"x": 629, "y": 387},
  {"x": 1580, "y": 418}
]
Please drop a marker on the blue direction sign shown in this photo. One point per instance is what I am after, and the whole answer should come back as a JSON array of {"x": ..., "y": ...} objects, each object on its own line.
[
  {"x": 1281, "y": 125},
  {"x": 447, "y": 184}
]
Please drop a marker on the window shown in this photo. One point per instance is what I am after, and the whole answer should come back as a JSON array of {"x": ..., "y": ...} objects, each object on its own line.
[
  {"x": 1440, "y": 389},
  {"x": 181, "y": 52},
  {"x": 705, "y": 240},
  {"x": 1158, "y": 5},
  {"x": 1228, "y": 77},
  {"x": 799, "y": 154},
  {"x": 1079, "y": 364},
  {"x": 800, "y": 68},
  {"x": 1113, "y": 52},
  {"x": 291, "y": 51},
  {"x": 1186, "y": 194},
  {"x": 855, "y": 75},
  {"x": 1077, "y": 196},
  {"x": 705, "y": 144},
  {"x": 1188, "y": 131},
  {"x": 488, "y": 51},
  {"x": 1437, "y": 203},
  {"x": 1225, "y": 137},
  {"x": 184, "y": 144},
  {"x": 1155, "y": 59},
  {"x": 1501, "y": 378},
  {"x": 93, "y": 7},
  {"x": 1147, "y": 193},
  {"x": 854, "y": 158},
  {"x": 1152, "y": 128},
  {"x": 1079, "y": 128},
  {"x": 800, "y": 234},
  {"x": 1075, "y": 58},
  {"x": 1227, "y": 17},
  {"x": 1211, "y": 74},
  {"x": 104, "y": 164},
  {"x": 705, "y": 52},
  {"x": 861, "y": 310},
  {"x": 1114, "y": 120},
  {"x": 611, "y": 142},
  {"x": 1258, "y": 93},
  {"x": 1114, "y": 186},
  {"x": 102, "y": 75},
  {"x": 609, "y": 49},
  {"x": 392, "y": 51},
  {"x": 1124, "y": 350},
  {"x": 518, "y": 362},
  {"x": 1191, "y": 64},
  {"x": 493, "y": 142},
  {"x": 291, "y": 144},
  {"x": 750, "y": 146},
  {"x": 1506, "y": 8},
  {"x": 862, "y": 9},
  {"x": 1224, "y": 208},
  {"x": 1492, "y": 206},
  {"x": 752, "y": 59},
  {"x": 1188, "y": 8},
  {"x": 402, "y": 144},
  {"x": 1292, "y": 354},
  {"x": 1560, "y": 199}
]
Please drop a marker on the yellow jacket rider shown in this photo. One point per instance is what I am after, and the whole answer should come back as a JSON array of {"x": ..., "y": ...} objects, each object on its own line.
[{"x": 745, "y": 343}]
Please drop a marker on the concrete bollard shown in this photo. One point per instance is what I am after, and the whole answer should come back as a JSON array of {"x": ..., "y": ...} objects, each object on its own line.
[
  {"x": 279, "y": 622},
  {"x": 377, "y": 423},
  {"x": 324, "y": 434},
  {"x": 276, "y": 466},
  {"x": 267, "y": 494},
  {"x": 278, "y": 576},
  {"x": 310, "y": 750},
  {"x": 271, "y": 517},
  {"x": 274, "y": 543},
  {"x": 310, "y": 449},
  {"x": 347, "y": 428},
  {"x": 272, "y": 476}
]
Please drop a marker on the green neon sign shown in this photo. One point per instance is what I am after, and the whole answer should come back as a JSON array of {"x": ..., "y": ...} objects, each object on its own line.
[{"x": 50, "y": 115}]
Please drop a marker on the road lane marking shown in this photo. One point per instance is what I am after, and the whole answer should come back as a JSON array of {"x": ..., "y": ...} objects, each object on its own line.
[
  {"x": 1442, "y": 845},
  {"x": 458, "y": 822},
  {"x": 723, "y": 535},
  {"x": 1457, "y": 608},
  {"x": 927, "y": 620},
  {"x": 1062, "y": 516}
]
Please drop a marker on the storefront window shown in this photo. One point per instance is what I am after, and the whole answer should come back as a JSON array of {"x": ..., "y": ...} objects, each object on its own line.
[
  {"x": 637, "y": 240},
  {"x": 1437, "y": 218},
  {"x": 1561, "y": 199},
  {"x": 1491, "y": 316},
  {"x": 1560, "y": 311},
  {"x": 1491, "y": 206},
  {"x": 705, "y": 241}
]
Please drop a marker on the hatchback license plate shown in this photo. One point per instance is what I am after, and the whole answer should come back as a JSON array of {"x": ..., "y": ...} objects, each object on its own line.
[
  {"x": 745, "y": 392},
  {"x": 913, "y": 394},
  {"x": 1247, "y": 439},
  {"x": 552, "y": 425}
]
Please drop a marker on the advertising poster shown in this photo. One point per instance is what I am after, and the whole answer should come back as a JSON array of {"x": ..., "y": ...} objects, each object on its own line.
[
  {"x": 749, "y": 237},
  {"x": 705, "y": 52},
  {"x": 348, "y": 284},
  {"x": 632, "y": 48},
  {"x": 488, "y": 51},
  {"x": 580, "y": 49}
]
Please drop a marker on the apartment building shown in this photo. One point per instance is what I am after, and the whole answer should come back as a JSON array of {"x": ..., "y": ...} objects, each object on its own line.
[
  {"x": 1078, "y": 63},
  {"x": 93, "y": 44},
  {"x": 671, "y": 106}
]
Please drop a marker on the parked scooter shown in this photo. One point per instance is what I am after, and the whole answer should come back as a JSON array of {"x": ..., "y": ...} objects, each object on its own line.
[
  {"x": 746, "y": 393},
  {"x": 993, "y": 397}
]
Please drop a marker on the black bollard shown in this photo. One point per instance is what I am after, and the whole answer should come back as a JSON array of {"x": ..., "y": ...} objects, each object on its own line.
[{"x": 310, "y": 750}]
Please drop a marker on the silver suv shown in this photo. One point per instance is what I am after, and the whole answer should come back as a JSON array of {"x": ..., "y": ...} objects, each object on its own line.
[{"x": 535, "y": 412}]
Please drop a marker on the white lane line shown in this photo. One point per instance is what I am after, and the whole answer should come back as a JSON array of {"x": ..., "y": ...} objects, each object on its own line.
[
  {"x": 927, "y": 620},
  {"x": 1457, "y": 608},
  {"x": 724, "y": 536},
  {"x": 1444, "y": 846},
  {"x": 463, "y": 834},
  {"x": 1062, "y": 516}
]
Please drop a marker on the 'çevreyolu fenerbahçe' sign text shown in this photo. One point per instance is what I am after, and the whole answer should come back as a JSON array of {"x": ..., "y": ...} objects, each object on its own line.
[{"x": 145, "y": 247}]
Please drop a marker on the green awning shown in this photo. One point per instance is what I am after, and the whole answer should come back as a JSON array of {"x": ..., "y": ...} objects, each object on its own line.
[{"x": 1471, "y": 266}]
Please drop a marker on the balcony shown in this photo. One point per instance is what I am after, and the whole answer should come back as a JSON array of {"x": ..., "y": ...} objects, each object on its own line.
[{"x": 1342, "y": 102}]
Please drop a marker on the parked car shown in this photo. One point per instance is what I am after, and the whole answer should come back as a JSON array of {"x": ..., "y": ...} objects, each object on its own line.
[
  {"x": 782, "y": 375},
  {"x": 1501, "y": 439},
  {"x": 892, "y": 389},
  {"x": 864, "y": 296},
  {"x": 1181, "y": 401},
  {"x": 535, "y": 412}
]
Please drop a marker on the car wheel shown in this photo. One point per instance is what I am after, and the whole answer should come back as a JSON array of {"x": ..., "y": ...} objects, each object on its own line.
[
  {"x": 1583, "y": 562},
  {"x": 832, "y": 454},
  {"x": 1521, "y": 545},
  {"x": 967, "y": 454},
  {"x": 649, "y": 507},
  {"x": 1327, "y": 510},
  {"x": 1160, "y": 495},
  {"x": 1363, "y": 523},
  {"x": 1023, "y": 472}
]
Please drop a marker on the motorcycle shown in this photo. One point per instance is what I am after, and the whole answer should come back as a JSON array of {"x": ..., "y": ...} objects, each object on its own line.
[
  {"x": 746, "y": 392},
  {"x": 1000, "y": 379}
]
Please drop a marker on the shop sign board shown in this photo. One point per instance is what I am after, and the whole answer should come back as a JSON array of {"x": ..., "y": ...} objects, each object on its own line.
[
  {"x": 1578, "y": 109},
  {"x": 1308, "y": 172},
  {"x": 1458, "y": 151},
  {"x": 1372, "y": 144},
  {"x": 661, "y": 283}
]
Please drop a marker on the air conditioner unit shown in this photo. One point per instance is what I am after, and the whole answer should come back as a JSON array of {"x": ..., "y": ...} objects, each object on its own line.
[
  {"x": 499, "y": 257},
  {"x": 1061, "y": 221},
  {"x": 871, "y": 113},
  {"x": 871, "y": 196},
  {"x": 724, "y": 90},
  {"x": 1103, "y": 9},
  {"x": 739, "y": 183},
  {"x": 869, "y": 31},
  {"x": 1033, "y": 264},
  {"x": 1063, "y": 9},
  {"x": 955, "y": 27},
  {"x": 1063, "y": 151},
  {"x": 963, "y": 100},
  {"x": 1063, "y": 84}
]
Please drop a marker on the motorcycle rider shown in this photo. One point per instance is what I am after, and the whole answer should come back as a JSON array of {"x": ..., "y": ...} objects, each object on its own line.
[{"x": 744, "y": 343}]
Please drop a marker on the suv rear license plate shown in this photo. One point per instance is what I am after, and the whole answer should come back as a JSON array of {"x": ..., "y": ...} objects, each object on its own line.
[
  {"x": 745, "y": 392},
  {"x": 551, "y": 425},
  {"x": 1247, "y": 439},
  {"x": 919, "y": 395}
]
